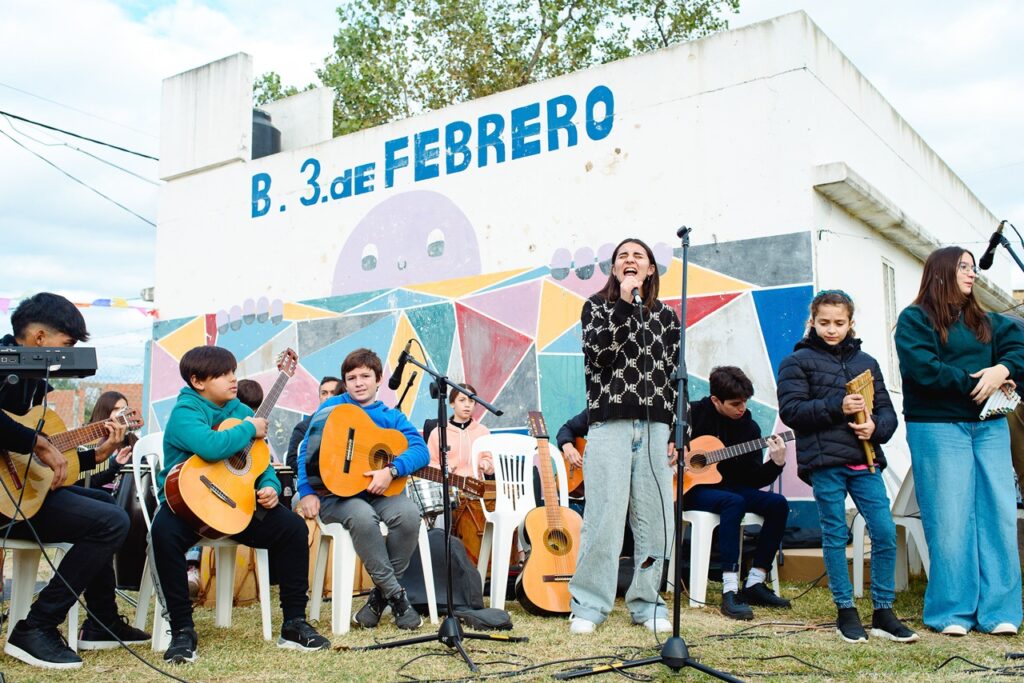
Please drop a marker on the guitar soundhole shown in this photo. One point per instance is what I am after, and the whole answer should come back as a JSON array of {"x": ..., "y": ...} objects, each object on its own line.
[
  {"x": 557, "y": 541},
  {"x": 698, "y": 462},
  {"x": 379, "y": 458},
  {"x": 238, "y": 466}
]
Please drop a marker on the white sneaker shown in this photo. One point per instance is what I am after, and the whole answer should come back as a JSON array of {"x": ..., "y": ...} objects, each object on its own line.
[
  {"x": 1004, "y": 629},
  {"x": 954, "y": 630},
  {"x": 578, "y": 625},
  {"x": 658, "y": 625}
]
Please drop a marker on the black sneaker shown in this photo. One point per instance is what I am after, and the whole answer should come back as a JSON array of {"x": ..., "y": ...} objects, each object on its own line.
[
  {"x": 184, "y": 646},
  {"x": 405, "y": 616},
  {"x": 92, "y": 636},
  {"x": 761, "y": 595},
  {"x": 369, "y": 615},
  {"x": 885, "y": 624},
  {"x": 297, "y": 634},
  {"x": 848, "y": 626},
  {"x": 42, "y": 647},
  {"x": 734, "y": 608}
]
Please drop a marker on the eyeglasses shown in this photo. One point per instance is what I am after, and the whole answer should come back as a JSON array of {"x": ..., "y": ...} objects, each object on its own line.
[{"x": 967, "y": 268}]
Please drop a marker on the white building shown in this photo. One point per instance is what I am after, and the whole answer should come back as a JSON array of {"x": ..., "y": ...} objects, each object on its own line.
[{"x": 479, "y": 229}]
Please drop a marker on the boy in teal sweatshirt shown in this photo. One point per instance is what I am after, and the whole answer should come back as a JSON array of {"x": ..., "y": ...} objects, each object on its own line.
[{"x": 209, "y": 399}]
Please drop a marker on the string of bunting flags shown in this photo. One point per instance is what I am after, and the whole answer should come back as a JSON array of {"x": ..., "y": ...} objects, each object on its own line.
[{"x": 7, "y": 303}]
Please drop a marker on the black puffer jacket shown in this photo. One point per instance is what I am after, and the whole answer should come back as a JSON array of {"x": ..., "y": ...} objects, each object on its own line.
[{"x": 811, "y": 387}]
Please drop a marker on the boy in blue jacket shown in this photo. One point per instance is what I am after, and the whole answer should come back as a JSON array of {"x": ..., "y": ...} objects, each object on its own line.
[
  {"x": 384, "y": 529},
  {"x": 209, "y": 399}
]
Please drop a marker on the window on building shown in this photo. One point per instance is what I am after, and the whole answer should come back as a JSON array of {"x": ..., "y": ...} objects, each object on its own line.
[{"x": 893, "y": 379}]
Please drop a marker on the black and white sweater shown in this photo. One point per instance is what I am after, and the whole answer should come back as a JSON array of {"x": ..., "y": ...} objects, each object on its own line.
[{"x": 629, "y": 368}]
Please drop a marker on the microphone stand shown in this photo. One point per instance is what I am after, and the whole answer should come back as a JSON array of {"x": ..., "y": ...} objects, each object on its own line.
[
  {"x": 674, "y": 653},
  {"x": 451, "y": 632}
]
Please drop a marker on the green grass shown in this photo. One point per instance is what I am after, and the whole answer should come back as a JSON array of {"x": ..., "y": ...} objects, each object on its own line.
[{"x": 239, "y": 654}]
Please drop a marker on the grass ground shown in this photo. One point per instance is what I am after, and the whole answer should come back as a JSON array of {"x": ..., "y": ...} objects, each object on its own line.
[{"x": 768, "y": 648}]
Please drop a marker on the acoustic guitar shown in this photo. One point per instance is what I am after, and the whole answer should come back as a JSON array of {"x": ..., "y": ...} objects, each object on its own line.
[
  {"x": 353, "y": 444},
  {"x": 707, "y": 451},
  {"x": 573, "y": 474},
  {"x": 543, "y": 586},
  {"x": 26, "y": 480},
  {"x": 218, "y": 499}
]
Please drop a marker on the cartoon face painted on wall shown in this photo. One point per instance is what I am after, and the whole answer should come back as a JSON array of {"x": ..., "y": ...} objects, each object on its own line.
[{"x": 413, "y": 237}]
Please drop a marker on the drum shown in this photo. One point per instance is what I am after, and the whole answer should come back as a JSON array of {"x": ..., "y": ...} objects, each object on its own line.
[
  {"x": 130, "y": 559},
  {"x": 429, "y": 496},
  {"x": 468, "y": 521}
]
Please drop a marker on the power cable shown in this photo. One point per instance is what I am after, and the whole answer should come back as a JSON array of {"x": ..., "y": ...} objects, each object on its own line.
[
  {"x": 80, "y": 111},
  {"x": 77, "y": 180},
  {"x": 81, "y": 137},
  {"x": 79, "y": 149}
]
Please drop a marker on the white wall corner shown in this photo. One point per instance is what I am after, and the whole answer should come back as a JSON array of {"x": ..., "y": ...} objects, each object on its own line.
[
  {"x": 304, "y": 119},
  {"x": 206, "y": 117}
]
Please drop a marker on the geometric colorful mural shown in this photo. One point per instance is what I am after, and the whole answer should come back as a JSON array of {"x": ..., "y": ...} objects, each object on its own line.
[{"x": 515, "y": 335}]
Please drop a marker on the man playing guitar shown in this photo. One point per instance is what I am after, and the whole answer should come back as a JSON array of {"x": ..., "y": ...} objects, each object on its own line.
[
  {"x": 724, "y": 415},
  {"x": 368, "y": 514},
  {"x": 87, "y": 518}
]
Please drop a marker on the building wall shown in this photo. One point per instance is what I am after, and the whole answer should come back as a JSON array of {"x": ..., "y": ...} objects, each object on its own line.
[{"x": 482, "y": 246}]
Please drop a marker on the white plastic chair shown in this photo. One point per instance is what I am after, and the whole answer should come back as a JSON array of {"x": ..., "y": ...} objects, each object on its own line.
[
  {"x": 513, "y": 456},
  {"x": 150, "y": 450},
  {"x": 702, "y": 526},
  {"x": 25, "y": 558},
  {"x": 343, "y": 574},
  {"x": 911, "y": 546},
  {"x": 562, "y": 476}
]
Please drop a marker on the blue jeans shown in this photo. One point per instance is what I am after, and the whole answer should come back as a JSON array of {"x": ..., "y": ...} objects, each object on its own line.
[
  {"x": 621, "y": 476},
  {"x": 964, "y": 482},
  {"x": 831, "y": 485}
]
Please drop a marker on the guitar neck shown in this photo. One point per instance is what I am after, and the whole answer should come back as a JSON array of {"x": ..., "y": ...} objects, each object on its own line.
[
  {"x": 547, "y": 482},
  {"x": 270, "y": 400},
  {"x": 436, "y": 475},
  {"x": 742, "y": 448},
  {"x": 65, "y": 441}
]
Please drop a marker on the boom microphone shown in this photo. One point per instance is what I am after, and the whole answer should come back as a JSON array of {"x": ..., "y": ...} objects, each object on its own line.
[
  {"x": 993, "y": 242},
  {"x": 396, "y": 376}
]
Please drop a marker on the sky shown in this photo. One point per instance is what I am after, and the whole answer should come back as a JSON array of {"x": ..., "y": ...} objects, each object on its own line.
[{"x": 954, "y": 70}]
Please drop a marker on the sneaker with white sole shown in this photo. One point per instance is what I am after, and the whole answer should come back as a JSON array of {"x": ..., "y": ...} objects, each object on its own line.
[
  {"x": 1004, "y": 629},
  {"x": 578, "y": 625},
  {"x": 955, "y": 630},
  {"x": 658, "y": 625}
]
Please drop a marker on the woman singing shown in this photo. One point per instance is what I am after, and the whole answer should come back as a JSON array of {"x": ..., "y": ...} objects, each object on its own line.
[
  {"x": 953, "y": 356},
  {"x": 630, "y": 354}
]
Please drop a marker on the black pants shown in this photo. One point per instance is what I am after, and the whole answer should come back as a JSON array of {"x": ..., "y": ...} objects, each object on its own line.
[
  {"x": 281, "y": 531},
  {"x": 731, "y": 503},
  {"x": 97, "y": 527}
]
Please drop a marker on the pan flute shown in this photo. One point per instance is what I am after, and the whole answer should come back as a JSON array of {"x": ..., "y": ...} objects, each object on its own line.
[
  {"x": 864, "y": 384},
  {"x": 1002, "y": 402}
]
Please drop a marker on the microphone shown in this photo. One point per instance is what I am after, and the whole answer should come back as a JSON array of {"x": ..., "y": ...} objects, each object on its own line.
[
  {"x": 986, "y": 259},
  {"x": 636, "y": 296},
  {"x": 396, "y": 376}
]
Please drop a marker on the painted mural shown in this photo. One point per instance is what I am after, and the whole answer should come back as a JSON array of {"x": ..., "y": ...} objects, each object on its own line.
[{"x": 515, "y": 334}]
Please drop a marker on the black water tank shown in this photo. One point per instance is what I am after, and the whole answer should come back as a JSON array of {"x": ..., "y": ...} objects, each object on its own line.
[{"x": 266, "y": 139}]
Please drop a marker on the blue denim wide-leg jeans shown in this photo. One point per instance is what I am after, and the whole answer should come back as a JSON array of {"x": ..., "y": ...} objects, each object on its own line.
[
  {"x": 831, "y": 485},
  {"x": 964, "y": 482},
  {"x": 626, "y": 468}
]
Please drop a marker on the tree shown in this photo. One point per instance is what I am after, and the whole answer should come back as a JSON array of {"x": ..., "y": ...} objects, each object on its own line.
[{"x": 396, "y": 58}]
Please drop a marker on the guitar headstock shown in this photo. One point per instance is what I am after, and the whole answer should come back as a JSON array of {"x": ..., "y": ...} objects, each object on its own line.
[
  {"x": 474, "y": 487},
  {"x": 130, "y": 418},
  {"x": 535, "y": 420},
  {"x": 287, "y": 362}
]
